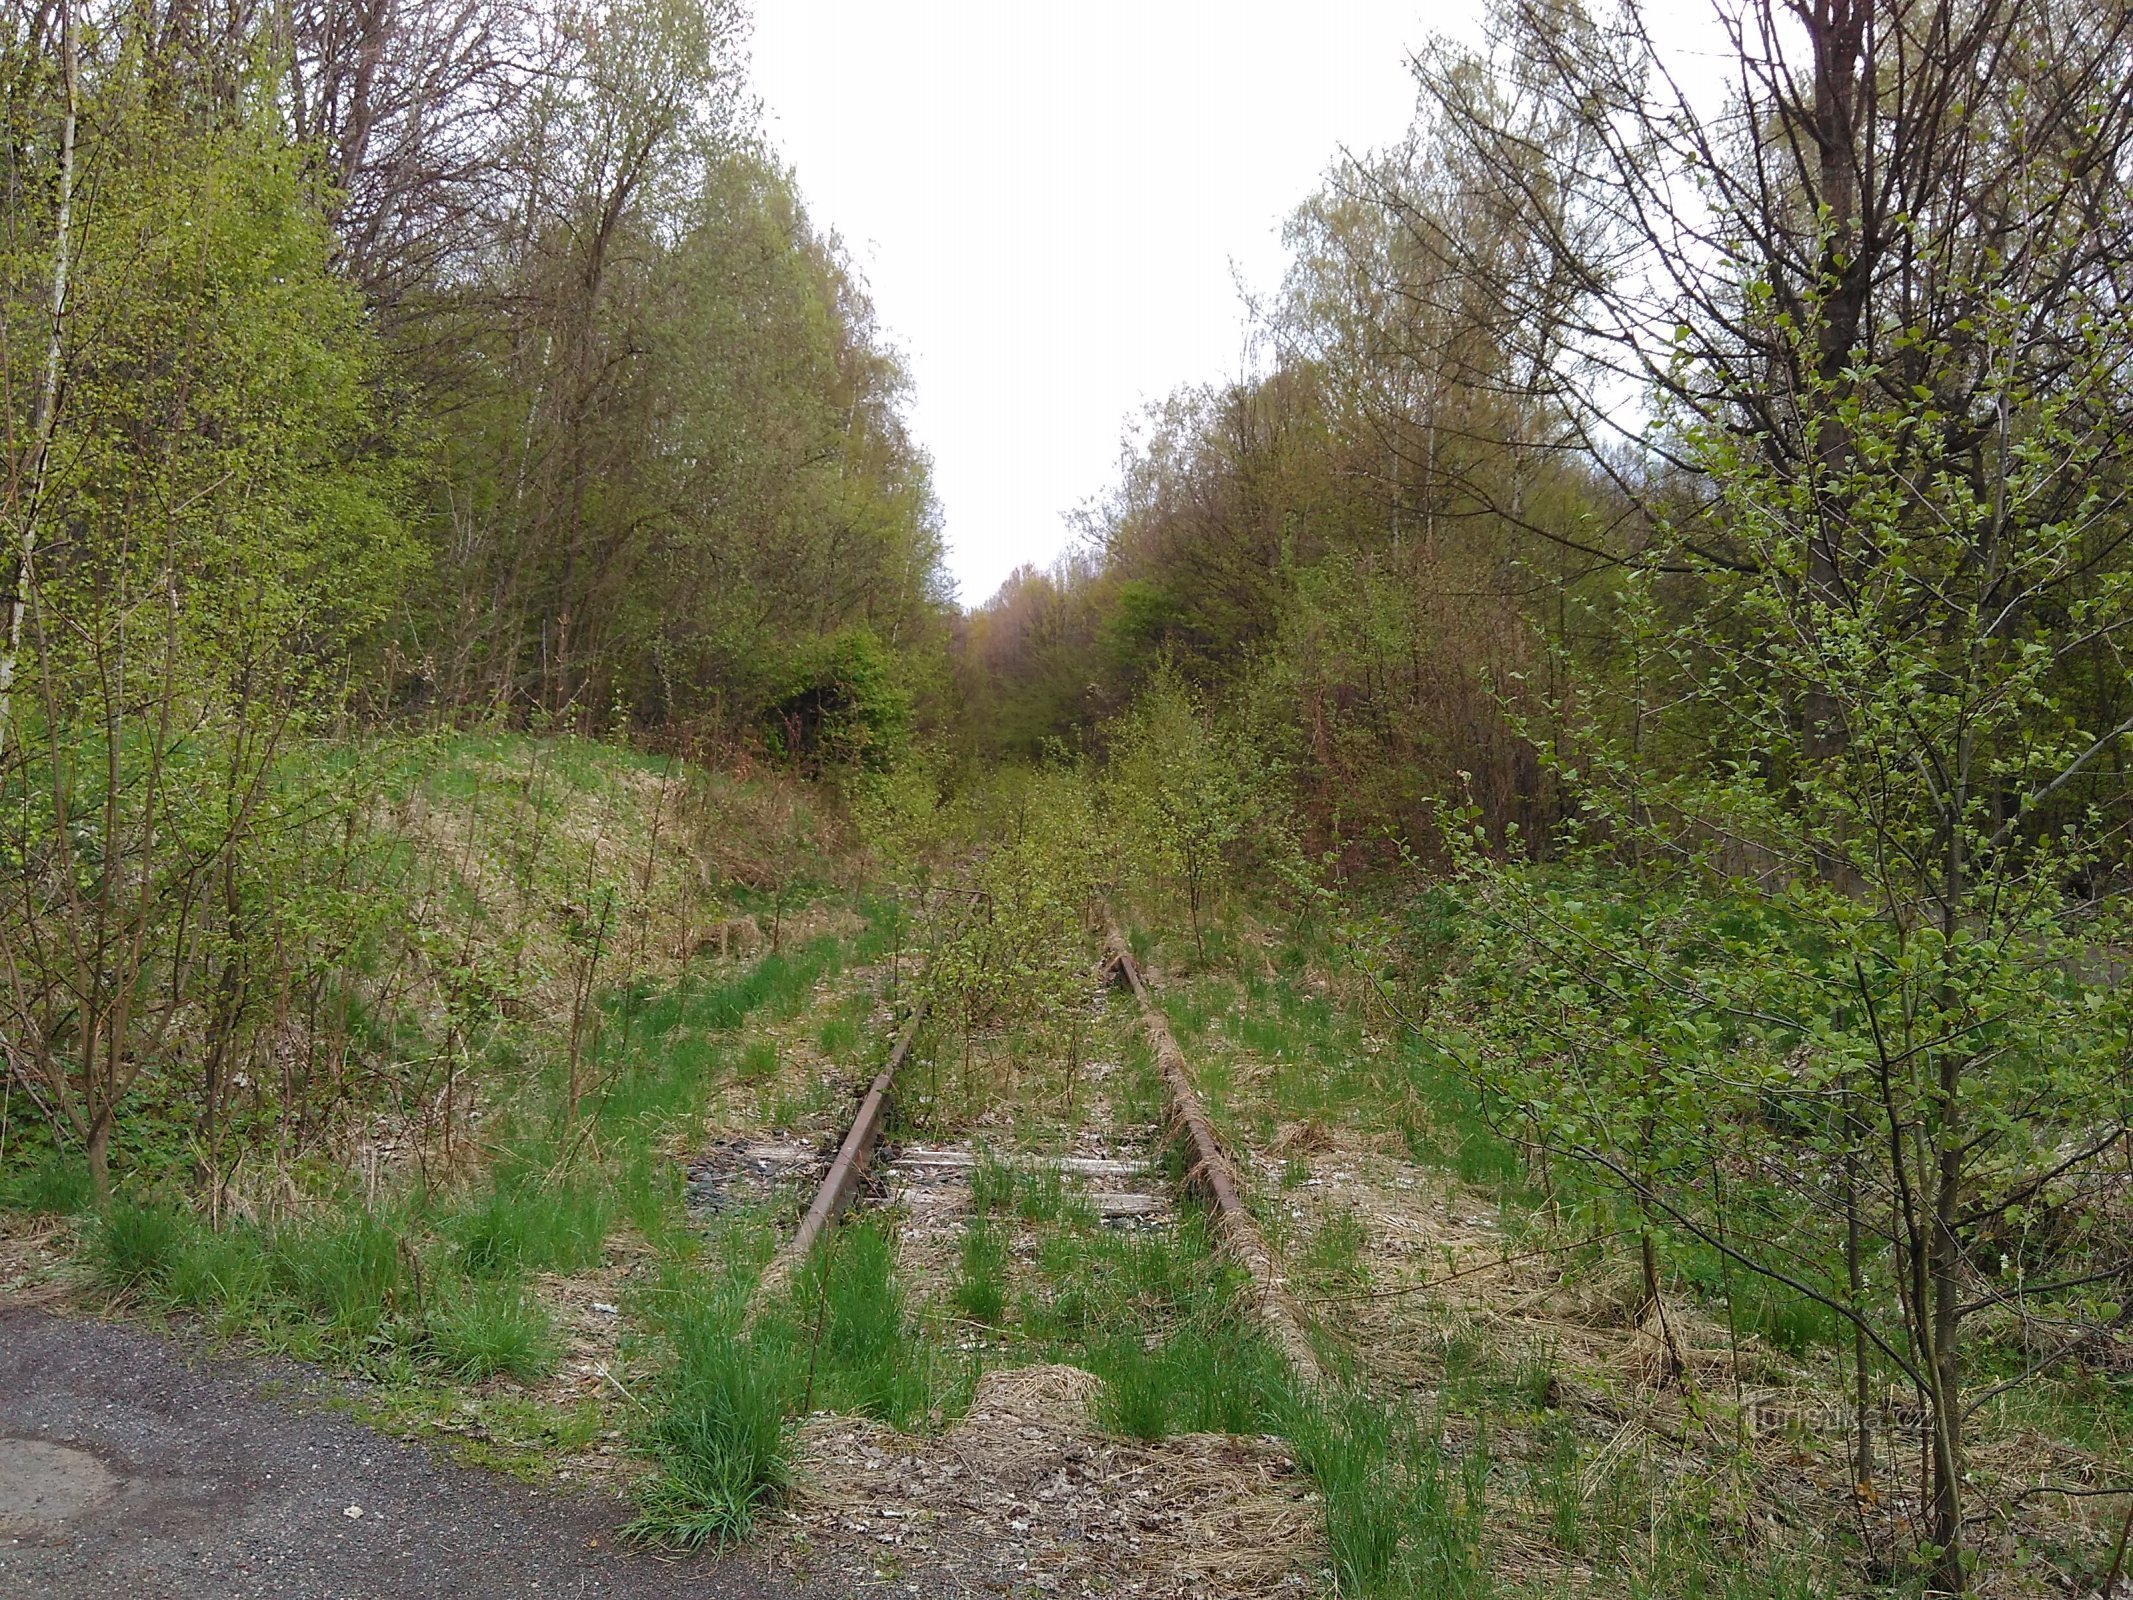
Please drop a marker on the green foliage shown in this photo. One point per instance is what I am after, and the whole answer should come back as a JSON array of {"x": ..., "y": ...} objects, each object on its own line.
[
  {"x": 230, "y": 504},
  {"x": 1196, "y": 804},
  {"x": 1831, "y": 1011},
  {"x": 1017, "y": 967},
  {"x": 839, "y": 706}
]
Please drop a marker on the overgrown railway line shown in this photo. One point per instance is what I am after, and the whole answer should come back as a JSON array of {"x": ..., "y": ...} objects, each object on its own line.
[{"x": 935, "y": 1181}]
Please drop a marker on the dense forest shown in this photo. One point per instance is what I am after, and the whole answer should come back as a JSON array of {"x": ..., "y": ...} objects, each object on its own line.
[{"x": 1620, "y": 709}]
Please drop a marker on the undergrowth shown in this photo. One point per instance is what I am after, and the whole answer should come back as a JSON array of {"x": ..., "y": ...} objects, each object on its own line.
[{"x": 844, "y": 1338}]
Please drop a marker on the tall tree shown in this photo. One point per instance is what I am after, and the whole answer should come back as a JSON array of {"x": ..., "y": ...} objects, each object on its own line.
[{"x": 1877, "y": 301}]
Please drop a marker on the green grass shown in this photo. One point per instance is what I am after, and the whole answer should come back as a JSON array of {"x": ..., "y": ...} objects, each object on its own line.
[
  {"x": 337, "y": 1284},
  {"x": 1326, "y": 1069},
  {"x": 1216, "y": 1375},
  {"x": 347, "y": 1273},
  {"x": 528, "y": 1226},
  {"x": 1028, "y": 1190},
  {"x": 1332, "y": 1258},
  {"x": 757, "y": 1061},
  {"x": 53, "y": 1185},
  {"x": 841, "y": 1039},
  {"x": 226, "y": 1275},
  {"x": 432, "y": 1289},
  {"x": 1789, "y": 1321},
  {"x": 1160, "y": 1320},
  {"x": 981, "y": 1288},
  {"x": 846, "y": 1339},
  {"x": 134, "y": 1245},
  {"x": 349, "y": 1285},
  {"x": 718, "y": 1434},
  {"x": 1403, "y": 1518},
  {"x": 865, "y": 1350},
  {"x": 505, "y": 1432},
  {"x": 484, "y": 1329},
  {"x": 778, "y": 984}
]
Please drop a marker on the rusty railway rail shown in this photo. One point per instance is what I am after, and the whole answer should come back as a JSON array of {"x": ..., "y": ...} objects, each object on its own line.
[
  {"x": 835, "y": 1191},
  {"x": 1209, "y": 1169},
  {"x": 853, "y": 1155}
]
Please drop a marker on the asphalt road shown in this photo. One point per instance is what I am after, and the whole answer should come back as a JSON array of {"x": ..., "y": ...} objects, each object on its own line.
[{"x": 134, "y": 1467}]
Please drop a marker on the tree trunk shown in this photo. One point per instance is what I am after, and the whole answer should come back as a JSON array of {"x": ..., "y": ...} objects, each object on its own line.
[
  {"x": 1944, "y": 1265},
  {"x": 44, "y": 408},
  {"x": 99, "y": 1150}
]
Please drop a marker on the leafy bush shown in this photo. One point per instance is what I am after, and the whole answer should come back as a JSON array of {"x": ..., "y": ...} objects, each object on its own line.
[
  {"x": 839, "y": 705},
  {"x": 1199, "y": 805}
]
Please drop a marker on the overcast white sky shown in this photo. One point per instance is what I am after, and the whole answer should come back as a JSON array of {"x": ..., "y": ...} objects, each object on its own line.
[{"x": 1053, "y": 204}]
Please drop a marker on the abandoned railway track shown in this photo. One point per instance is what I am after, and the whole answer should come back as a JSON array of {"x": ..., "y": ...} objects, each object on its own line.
[{"x": 1115, "y": 1170}]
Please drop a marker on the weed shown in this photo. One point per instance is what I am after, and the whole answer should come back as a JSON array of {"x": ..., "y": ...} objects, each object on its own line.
[
  {"x": 1034, "y": 1193},
  {"x": 758, "y": 1061},
  {"x": 1790, "y": 1322},
  {"x": 840, "y": 1038},
  {"x": 649, "y": 1188},
  {"x": 720, "y": 1440},
  {"x": 1533, "y": 1379},
  {"x": 799, "y": 1107},
  {"x": 492, "y": 1328},
  {"x": 224, "y": 1272},
  {"x": 992, "y": 1186},
  {"x": 525, "y": 1227},
  {"x": 1558, "y": 1485},
  {"x": 863, "y": 1352},
  {"x": 779, "y": 984},
  {"x": 513, "y": 1433},
  {"x": 1334, "y": 1255},
  {"x": 1212, "y": 1376},
  {"x": 346, "y": 1270},
  {"x": 133, "y": 1245},
  {"x": 56, "y": 1186},
  {"x": 1402, "y": 1519},
  {"x": 981, "y": 1291}
]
